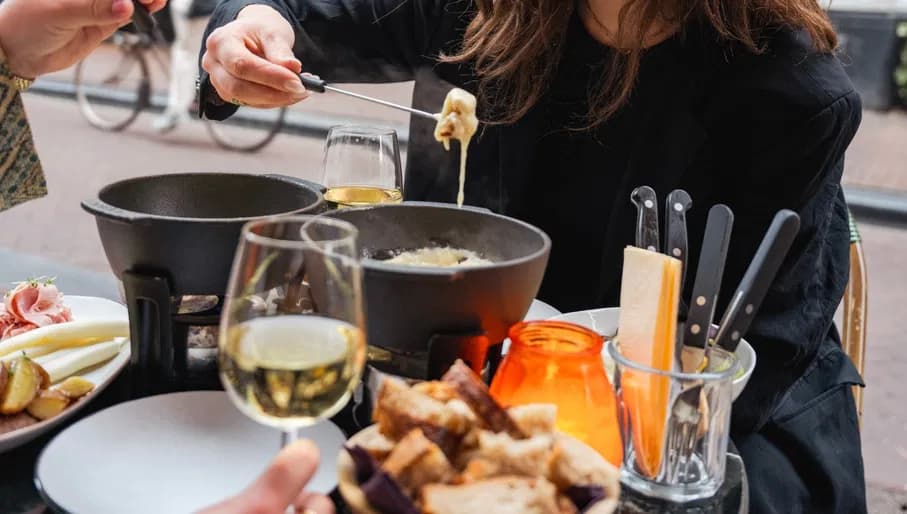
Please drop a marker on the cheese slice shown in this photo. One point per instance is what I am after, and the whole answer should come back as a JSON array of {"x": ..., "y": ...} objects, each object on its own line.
[{"x": 649, "y": 298}]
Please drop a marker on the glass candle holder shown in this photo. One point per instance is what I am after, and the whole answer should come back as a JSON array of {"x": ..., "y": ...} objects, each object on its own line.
[
  {"x": 675, "y": 426},
  {"x": 561, "y": 363}
]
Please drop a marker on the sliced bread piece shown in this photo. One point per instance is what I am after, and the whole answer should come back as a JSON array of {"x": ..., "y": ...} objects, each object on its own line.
[
  {"x": 416, "y": 461},
  {"x": 503, "y": 495},
  {"x": 475, "y": 393},
  {"x": 501, "y": 455},
  {"x": 401, "y": 409}
]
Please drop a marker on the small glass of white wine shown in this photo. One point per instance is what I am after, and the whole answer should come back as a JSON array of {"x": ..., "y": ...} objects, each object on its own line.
[
  {"x": 292, "y": 335},
  {"x": 362, "y": 167}
]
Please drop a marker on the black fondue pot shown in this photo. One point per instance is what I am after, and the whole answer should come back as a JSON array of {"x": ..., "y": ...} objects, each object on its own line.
[
  {"x": 169, "y": 236},
  {"x": 187, "y": 225},
  {"x": 425, "y": 317}
]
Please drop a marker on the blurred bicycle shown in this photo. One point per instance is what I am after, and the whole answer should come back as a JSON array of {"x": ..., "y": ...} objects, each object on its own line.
[{"x": 114, "y": 85}]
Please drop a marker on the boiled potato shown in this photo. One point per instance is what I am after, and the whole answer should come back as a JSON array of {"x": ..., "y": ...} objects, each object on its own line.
[
  {"x": 48, "y": 404},
  {"x": 4, "y": 377},
  {"x": 42, "y": 373},
  {"x": 22, "y": 387},
  {"x": 75, "y": 387}
]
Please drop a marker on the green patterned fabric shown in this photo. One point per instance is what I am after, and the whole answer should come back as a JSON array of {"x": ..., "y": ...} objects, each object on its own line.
[
  {"x": 21, "y": 176},
  {"x": 854, "y": 233}
]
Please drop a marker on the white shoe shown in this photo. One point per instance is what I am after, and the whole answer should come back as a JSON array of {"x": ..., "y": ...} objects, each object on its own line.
[{"x": 167, "y": 122}]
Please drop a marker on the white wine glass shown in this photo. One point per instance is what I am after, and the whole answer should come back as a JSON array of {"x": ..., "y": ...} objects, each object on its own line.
[
  {"x": 362, "y": 167},
  {"x": 292, "y": 336}
]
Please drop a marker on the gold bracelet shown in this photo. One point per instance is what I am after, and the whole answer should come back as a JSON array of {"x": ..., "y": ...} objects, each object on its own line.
[{"x": 21, "y": 83}]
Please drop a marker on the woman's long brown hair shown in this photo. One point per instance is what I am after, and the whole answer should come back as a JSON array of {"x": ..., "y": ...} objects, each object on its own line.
[{"x": 515, "y": 45}]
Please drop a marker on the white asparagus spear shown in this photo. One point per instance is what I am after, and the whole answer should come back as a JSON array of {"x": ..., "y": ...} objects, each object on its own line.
[
  {"x": 71, "y": 363},
  {"x": 45, "y": 352},
  {"x": 66, "y": 335},
  {"x": 32, "y": 352},
  {"x": 43, "y": 359}
]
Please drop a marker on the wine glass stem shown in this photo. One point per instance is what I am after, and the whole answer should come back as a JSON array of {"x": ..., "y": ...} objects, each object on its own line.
[{"x": 288, "y": 437}]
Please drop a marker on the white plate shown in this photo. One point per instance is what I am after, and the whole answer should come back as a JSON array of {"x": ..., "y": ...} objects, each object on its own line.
[
  {"x": 83, "y": 308},
  {"x": 173, "y": 453},
  {"x": 605, "y": 322},
  {"x": 540, "y": 310}
]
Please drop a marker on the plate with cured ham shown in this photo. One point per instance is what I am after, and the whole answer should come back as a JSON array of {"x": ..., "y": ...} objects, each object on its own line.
[{"x": 57, "y": 352}]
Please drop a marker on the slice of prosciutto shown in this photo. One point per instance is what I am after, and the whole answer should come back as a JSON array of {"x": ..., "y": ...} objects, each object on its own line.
[{"x": 31, "y": 305}]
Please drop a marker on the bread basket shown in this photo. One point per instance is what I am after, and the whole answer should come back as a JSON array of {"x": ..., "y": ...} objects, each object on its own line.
[{"x": 357, "y": 503}]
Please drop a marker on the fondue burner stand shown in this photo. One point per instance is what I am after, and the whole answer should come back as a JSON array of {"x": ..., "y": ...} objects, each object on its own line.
[
  {"x": 174, "y": 348},
  {"x": 473, "y": 348},
  {"x": 173, "y": 338}
]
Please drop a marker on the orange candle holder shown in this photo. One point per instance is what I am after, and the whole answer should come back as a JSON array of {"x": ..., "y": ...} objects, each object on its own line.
[{"x": 561, "y": 363}]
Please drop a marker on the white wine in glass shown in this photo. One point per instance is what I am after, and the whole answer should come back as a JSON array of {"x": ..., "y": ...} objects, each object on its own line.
[
  {"x": 291, "y": 370},
  {"x": 362, "y": 167},
  {"x": 292, "y": 339}
]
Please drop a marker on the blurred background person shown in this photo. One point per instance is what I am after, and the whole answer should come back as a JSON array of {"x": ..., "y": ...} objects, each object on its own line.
[{"x": 38, "y": 37}]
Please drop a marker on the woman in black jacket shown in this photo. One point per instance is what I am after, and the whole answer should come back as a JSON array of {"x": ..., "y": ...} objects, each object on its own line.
[{"x": 739, "y": 102}]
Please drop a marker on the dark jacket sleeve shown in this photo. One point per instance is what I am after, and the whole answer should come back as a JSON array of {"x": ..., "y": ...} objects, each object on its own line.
[
  {"x": 789, "y": 153},
  {"x": 353, "y": 40}
]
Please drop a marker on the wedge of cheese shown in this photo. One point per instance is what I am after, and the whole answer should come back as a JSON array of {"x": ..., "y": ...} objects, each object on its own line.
[{"x": 649, "y": 298}]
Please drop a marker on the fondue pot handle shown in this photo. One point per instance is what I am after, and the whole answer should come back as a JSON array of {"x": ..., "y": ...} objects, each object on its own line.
[{"x": 103, "y": 209}]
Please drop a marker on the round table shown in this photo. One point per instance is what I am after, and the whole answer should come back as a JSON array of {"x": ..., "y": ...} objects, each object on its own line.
[{"x": 18, "y": 494}]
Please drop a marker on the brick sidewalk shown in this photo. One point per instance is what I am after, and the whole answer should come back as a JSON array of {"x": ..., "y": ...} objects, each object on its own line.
[{"x": 877, "y": 158}]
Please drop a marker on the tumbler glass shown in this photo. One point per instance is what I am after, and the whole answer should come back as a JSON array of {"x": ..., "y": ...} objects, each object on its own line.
[{"x": 675, "y": 426}]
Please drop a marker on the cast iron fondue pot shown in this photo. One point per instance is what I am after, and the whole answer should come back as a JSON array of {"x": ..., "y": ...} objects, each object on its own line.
[
  {"x": 187, "y": 225},
  {"x": 168, "y": 237},
  {"x": 411, "y": 307}
]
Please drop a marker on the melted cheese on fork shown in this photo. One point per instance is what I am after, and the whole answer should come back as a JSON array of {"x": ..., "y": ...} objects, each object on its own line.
[{"x": 458, "y": 121}]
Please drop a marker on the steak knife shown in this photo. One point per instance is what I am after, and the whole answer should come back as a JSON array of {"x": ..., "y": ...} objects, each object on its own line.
[
  {"x": 677, "y": 204},
  {"x": 758, "y": 277},
  {"x": 707, "y": 285},
  {"x": 676, "y": 245},
  {"x": 646, "y": 202}
]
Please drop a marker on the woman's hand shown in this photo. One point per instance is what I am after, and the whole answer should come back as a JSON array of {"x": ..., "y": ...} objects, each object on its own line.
[
  {"x": 281, "y": 487},
  {"x": 42, "y": 36},
  {"x": 251, "y": 62}
]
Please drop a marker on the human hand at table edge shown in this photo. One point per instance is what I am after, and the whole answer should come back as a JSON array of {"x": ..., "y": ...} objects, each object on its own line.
[
  {"x": 250, "y": 60},
  {"x": 43, "y": 36},
  {"x": 281, "y": 486}
]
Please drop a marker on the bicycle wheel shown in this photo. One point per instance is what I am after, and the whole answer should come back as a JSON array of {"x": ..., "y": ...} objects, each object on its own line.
[
  {"x": 249, "y": 130},
  {"x": 112, "y": 86}
]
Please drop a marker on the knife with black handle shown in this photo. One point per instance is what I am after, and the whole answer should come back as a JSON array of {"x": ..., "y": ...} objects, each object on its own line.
[
  {"x": 715, "y": 244},
  {"x": 646, "y": 202},
  {"x": 677, "y": 204},
  {"x": 676, "y": 245},
  {"x": 758, "y": 277}
]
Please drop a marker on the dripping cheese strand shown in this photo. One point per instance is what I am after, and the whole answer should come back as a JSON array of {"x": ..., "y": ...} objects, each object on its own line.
[
  {"x": 458, "y": 121},
  {"x": 464, "y": 145}
]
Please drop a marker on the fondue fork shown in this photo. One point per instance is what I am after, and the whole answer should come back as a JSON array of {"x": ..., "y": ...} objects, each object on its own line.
[{"x": 313, "y": 83}]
